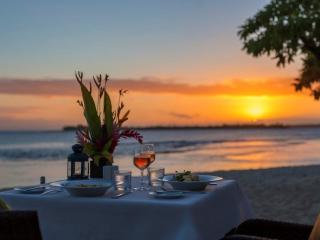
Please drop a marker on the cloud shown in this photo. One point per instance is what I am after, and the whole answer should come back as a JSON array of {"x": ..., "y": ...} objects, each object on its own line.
[
  {"x": 12, "y": 123},
  {"x": 17, "y": 110},
  {"x": 181, "y": 115},
  {"x": 38, "y": 87},
  {"x": 68, "y": 87}
]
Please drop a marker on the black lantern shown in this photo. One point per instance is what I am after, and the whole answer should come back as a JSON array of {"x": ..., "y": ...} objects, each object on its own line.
[{"x": 78, "y": 164}]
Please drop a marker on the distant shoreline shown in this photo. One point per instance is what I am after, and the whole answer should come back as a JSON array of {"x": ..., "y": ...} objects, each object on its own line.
[
  {"x": 223, "y": 126},
  {"x": 208, "y": 127}
]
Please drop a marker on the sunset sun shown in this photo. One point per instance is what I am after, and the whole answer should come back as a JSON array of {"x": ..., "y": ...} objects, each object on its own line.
[
  {"x": 256, "y": 108},
  {"x": 255, "y": 111}
]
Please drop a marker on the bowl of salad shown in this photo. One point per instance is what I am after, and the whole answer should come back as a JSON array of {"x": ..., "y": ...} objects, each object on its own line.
[{"x": 188, "y": 181}]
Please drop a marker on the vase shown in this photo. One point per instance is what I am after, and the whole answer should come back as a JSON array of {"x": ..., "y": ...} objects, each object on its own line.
[{"x": 96, "y": 171}]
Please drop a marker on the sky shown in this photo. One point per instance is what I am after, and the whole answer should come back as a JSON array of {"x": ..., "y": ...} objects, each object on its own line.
[{"x": 180, "y": 60}]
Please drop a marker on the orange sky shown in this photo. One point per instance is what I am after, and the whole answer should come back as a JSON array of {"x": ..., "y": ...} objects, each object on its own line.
[
  {"x": 180, "y": 60},
  {"x": 51, "y": 104}
]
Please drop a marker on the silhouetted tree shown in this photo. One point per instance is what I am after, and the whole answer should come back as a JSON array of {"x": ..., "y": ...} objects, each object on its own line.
[{"x": 285, "y": 29}]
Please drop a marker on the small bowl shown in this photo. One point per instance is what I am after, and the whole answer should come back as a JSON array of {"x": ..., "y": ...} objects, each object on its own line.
[
  {"x": 87, "y": 188},
  {"x": 204, "y": 181}
]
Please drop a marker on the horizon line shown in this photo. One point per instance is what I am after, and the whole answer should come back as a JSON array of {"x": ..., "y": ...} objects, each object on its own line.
[{"x": 177, "y": 127}]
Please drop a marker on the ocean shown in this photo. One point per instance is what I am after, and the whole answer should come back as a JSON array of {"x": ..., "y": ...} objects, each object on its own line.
[{"x": 25, "y": 156}]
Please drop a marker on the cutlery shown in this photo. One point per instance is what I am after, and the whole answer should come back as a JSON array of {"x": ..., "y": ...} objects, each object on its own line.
[
  {"x": 120, "y": 194},
  {"x": 39, "y": 186},
  {"x": 213, "y": 183},
  {"x": 51, "y": 191}
]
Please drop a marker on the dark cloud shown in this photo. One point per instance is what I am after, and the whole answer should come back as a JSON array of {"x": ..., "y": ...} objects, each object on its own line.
[{"x": 181, "y": 115}]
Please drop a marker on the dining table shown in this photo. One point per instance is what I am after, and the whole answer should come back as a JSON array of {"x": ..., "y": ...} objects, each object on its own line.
[{"x": 204, "y": 215}]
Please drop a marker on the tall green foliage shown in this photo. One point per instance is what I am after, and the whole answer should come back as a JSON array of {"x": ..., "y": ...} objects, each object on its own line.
[
  {"x": 90, "y": 113},
  {"x": 104, "y": 125}
]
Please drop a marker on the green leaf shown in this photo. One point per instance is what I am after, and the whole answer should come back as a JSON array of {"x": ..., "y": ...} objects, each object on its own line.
[
  {"x": 106, "y": 147},
  {"x": 124, "y": 118},
  {"x": 96, "y": 158},
  {"x": 90, "y": 113},
  {"x": 107, "y": 109},
  {"x": 109, "y": 157},
  {"x": 89, "y": 149},
  {"x": 105, "y": 151}
]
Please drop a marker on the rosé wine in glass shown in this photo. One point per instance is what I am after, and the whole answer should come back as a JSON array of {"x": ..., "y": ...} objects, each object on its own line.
[{"x": 142, "y": 161}]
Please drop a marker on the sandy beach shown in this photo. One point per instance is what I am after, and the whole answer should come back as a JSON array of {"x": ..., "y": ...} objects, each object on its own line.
[{"x": 287, "y": 194}]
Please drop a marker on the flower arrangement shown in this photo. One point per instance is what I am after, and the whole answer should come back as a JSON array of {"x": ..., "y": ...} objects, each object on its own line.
[{"x": 104, "y": 125}]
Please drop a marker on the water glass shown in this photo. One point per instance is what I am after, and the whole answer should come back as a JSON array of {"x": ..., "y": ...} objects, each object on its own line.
[
  {"x": 154, "y": 175},
  {"x": 123, "y": 180}
]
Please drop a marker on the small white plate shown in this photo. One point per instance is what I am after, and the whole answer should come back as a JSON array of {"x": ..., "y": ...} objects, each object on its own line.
[
  {"x": 28, "y": 190},
  {"x": 166, "y": 195},
  {"x": 62, "y": 183}
]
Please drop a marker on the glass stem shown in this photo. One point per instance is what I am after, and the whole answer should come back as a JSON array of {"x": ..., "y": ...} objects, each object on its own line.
[{"x": 141, "y": 181}]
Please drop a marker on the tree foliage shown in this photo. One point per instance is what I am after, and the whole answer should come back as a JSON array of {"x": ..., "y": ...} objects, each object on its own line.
[{"x": 284, "y": 30}]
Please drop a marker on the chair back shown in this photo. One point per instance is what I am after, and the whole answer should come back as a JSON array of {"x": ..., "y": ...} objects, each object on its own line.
[
  {"x": 17, "y": 225},
  {"x": 315, "y": 233}
]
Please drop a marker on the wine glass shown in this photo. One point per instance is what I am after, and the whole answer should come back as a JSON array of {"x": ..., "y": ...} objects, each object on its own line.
[
  {"x": 148, "y": 149},
  {"x": 141, "y": 161}
]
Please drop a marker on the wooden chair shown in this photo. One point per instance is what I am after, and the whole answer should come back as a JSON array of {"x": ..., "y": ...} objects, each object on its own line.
[
  {"x": 260, "y": 229},
  {"x": 19, "y": 225}
]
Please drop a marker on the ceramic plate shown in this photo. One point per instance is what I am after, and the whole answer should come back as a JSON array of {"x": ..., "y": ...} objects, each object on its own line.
[
  {"x": 28, "y": 190},
  {"x": 200, "y": 185}
]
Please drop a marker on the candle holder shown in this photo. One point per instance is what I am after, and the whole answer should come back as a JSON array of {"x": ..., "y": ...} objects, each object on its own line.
[{"x": 78, "y": 164}]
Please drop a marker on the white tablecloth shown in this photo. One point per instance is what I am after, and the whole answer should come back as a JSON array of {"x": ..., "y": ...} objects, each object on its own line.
[{"x": 137, "y": 216}]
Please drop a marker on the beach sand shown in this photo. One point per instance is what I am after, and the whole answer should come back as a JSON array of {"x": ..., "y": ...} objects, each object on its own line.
[{"x": 287, "y": 194}]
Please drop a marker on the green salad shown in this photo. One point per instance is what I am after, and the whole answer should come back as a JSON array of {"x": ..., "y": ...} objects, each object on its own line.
[{"x": 186, "y": 176}]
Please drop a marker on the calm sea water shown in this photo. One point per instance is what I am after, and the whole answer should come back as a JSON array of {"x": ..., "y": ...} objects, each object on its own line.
[{"x": 25, "y": 156}]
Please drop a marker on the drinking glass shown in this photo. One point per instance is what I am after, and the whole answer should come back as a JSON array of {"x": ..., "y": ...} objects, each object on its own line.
[
  {"x": 123, "y": 181},
  {"x": 149, "y": 150},
  {"x": 141, "y": 161},
  {"x": 155, "y": 174}
]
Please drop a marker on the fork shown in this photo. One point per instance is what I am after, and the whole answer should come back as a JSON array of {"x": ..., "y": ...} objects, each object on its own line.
[{"x": 51, "y": 191}]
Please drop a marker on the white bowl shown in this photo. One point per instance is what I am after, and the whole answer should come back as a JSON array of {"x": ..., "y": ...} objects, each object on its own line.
[
  {"x": 200, "y": 185},
  {"x": 94, "y": 188}
]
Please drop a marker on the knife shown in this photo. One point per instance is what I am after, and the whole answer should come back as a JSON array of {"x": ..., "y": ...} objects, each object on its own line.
[{"x": 120, "y": 194}]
